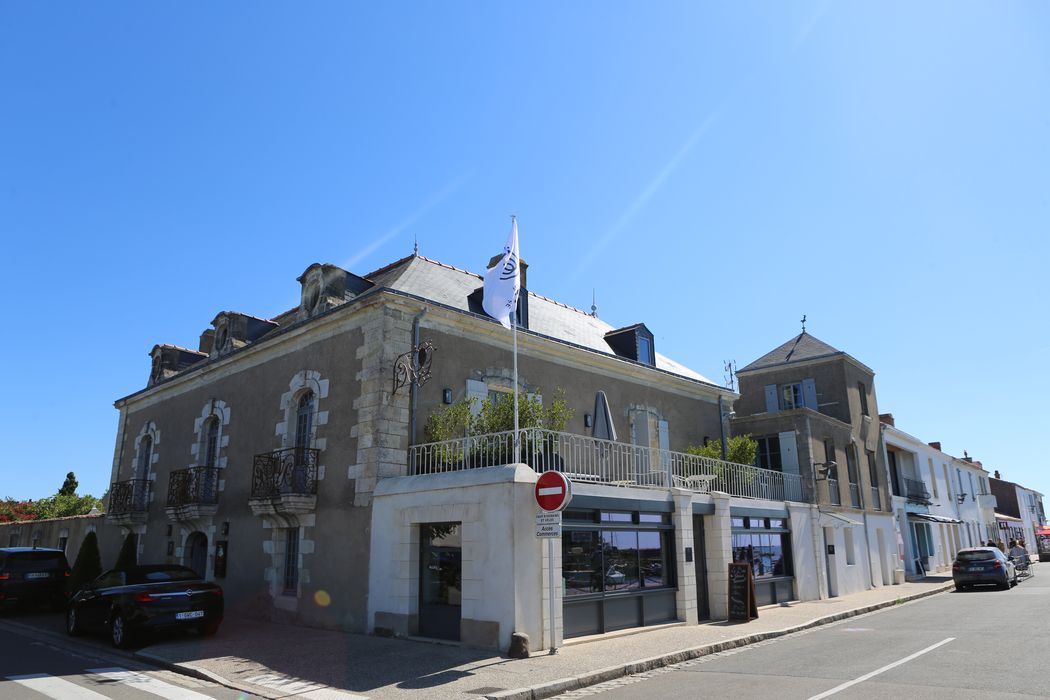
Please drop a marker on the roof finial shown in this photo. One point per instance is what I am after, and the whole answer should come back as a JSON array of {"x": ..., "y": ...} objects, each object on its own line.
[
  {"x": 803, "y": 323},
  {"x": 415, "y": 245},
  {"x": 594, "y": 304}
]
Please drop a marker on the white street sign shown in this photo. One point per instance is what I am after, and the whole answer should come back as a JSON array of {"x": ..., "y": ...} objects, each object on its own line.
[{"x": 548, "y": 524}]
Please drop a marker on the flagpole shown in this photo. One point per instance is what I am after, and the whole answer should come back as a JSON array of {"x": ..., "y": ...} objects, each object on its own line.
[{"x": 514, "y": 333}]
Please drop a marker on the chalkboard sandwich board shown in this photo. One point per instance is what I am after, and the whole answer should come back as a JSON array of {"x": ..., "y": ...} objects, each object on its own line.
[{"x": 742, "y": 604}]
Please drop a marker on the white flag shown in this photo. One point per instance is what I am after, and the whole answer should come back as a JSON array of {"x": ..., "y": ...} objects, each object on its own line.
[{"x": 503, "y": 281}]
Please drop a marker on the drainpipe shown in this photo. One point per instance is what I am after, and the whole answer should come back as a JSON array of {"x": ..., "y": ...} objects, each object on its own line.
[
  {"x": 722, "y": 427},
  {"x": 413, "y": 389},
  {"x": 819, "y": 555}
]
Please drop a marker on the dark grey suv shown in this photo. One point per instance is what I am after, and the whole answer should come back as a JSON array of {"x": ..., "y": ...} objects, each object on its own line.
[
  {"x": 33, "y": 575},
  {"x": 979, "y": 565}
]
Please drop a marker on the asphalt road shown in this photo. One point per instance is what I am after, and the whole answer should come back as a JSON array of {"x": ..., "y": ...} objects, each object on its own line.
[
  {"x": 33, "y": 668},
  {"x": 978, "y": 644}
]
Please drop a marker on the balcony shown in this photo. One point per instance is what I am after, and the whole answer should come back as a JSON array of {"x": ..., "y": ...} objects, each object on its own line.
[
  {"x": 915, "y": 491},
  {"x": 854, "y": 494},
  {"x": 834, "y": 498},
  {"x": 193, "y": 493},
  {"x": 589, "y": 460},
  {"x": 284, "y": 482},
  {"x": 987, "y": 500},
  {"x": 128, "y": 502}
]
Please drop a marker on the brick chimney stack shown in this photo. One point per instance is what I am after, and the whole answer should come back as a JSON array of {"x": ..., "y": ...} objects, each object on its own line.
[
  {"x": 886, "y": 418},
  {"x": 935, "y": 445},
  {"x": 997, "y": 474}
]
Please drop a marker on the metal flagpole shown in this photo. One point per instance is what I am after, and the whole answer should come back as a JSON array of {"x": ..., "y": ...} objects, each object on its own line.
[{"x": 514, "y": 332}]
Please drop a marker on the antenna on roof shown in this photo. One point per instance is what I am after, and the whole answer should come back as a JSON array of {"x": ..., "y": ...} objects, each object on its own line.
[
  {"x": 594, "y": 304},
  {"x": 803, "y": 323},
  {"x": 730, "y": 374}
]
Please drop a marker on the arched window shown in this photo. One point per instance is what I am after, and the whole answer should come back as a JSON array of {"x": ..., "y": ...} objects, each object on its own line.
[
  {"x": 304, "y": 417},
  {"x": 145, "y": 457},
  {"x": 211, "y": 442}
]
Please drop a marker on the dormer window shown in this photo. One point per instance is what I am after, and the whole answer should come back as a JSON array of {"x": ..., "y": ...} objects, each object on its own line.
[
  {"x": 327, "y": 286},
  {"x": 634, "y": 343}
]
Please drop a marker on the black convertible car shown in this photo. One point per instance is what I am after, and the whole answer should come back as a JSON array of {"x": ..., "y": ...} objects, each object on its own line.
[{"x": 145, "y": 598}]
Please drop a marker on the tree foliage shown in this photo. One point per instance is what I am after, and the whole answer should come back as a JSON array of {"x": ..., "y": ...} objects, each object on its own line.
[
  {"x": 458, "y": 420},
  {"x": 741, "y": 449},
  {"x": 129, "y": 553},
  {"x": 69, "y": 486},
  {"x": 88, "y": 564},
  {"x": 63, "y": 504}
]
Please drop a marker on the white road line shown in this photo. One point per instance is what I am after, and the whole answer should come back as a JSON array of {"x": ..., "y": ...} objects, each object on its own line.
[
  {"x": 885, "y": 668},
  {"x": 148, "y": 684},
  {"x": 57, "y": 688}
]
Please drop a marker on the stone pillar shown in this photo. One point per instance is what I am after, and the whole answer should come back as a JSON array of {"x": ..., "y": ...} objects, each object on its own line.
[
  {"x": 718, "y": 543},
  {"x": 682, "y": 519},
  {"x": 382, "y": 416}
]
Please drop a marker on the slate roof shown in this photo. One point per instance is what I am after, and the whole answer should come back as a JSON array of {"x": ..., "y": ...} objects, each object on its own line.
[
  {"x": 801, "y": 347},
  {"x": 451, "y": 286}
]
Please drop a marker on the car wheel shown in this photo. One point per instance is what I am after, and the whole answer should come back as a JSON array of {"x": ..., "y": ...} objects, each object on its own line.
[
  {"x": 119, "y": 633},
  {"x": 961, "y": 586},
  {"x": 1005, "y": 585},
  {"x": 73, "y": 628}
]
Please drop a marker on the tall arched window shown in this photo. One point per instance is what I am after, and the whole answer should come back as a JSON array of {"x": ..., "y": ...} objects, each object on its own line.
[
  {"x": 211, "y": 442},
  {"x": 304, "y": 417},
  {"x": 145, "y": 457}
]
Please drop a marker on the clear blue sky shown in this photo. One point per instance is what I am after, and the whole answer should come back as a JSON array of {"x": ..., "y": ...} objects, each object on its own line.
[{"x": 713, "y": 170}]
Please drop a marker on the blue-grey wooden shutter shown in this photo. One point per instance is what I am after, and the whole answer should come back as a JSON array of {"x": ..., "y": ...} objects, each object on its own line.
[
  {"x": 772, "y": 405},
  {"x": 809, "y": 393}
]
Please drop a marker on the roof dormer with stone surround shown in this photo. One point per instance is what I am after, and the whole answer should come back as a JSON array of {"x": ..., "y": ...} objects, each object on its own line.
[
  {"x": 234, "y": 330},
  {"x": 325, "y": 287},
  {"x": 169, "y": 360}
]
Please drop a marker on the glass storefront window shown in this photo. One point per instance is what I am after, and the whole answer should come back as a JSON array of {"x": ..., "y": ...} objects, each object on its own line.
[
  {"x": 618, "y": 559},
  {"x": 766, "y": 552}
]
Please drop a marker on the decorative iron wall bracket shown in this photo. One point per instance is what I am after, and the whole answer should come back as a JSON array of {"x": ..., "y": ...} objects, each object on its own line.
[{"x": 413, "y": 367}]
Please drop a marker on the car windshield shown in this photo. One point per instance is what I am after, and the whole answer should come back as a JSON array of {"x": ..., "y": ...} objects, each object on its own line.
[
  {"x": 976, "y": 555},
  {"x": 35, "y": 561},
  {"x": 161, "y": 576}
]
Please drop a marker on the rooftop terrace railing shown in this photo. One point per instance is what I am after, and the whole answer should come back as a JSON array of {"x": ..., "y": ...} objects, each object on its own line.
[{"x": 585, "y": 459}]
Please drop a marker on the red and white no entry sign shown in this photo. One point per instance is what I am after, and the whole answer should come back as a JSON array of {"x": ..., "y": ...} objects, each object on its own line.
[{"x": 553, "y": 491}]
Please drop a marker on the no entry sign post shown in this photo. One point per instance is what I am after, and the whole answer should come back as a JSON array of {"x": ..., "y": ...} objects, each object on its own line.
[{"x": 553, "y": 493}]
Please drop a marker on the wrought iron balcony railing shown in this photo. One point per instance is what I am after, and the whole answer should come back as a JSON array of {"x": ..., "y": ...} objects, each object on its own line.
[
  {"x": 290, "y": 472},
  {"x": 591, "y": 460},
  {"x": 915, "y": 490},
  {"x": 854, "y": 494},
  {"x": 833, "y": 492},
  {"x": 131, "y": 496},
  {"x": 193, "y": 486}
]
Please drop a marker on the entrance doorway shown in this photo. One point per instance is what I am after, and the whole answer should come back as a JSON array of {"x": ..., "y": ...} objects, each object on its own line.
[
  {"x": 440, "y": 580},
  {"x": 197, "y": 548},
  {"x": 702, "y": 608},
  {"x": 830, "y": 562}
]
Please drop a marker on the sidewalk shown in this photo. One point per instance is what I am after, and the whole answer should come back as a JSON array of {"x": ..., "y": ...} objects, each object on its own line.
[{"x": 277, "y": 661}]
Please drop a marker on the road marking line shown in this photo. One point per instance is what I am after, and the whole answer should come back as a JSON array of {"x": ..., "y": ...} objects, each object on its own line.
[
  {"x": 887, "y": 667},
  {"x": 57, "y": 688},
  {"x": 148, "y": 684}
]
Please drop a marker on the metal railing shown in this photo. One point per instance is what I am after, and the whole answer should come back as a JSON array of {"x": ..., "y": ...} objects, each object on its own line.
[
  {"x": 131, "y": 496},
  {"x": 591, "y": 460},
  {"x": 833, "y": 492},
  {"x": 915, "y": 491},
  {"x": 876, "y": 498},
  {"x": 193, "y": 486},
  {"x": 285, "y": 472},
  {"x": 854, "y": 494}
]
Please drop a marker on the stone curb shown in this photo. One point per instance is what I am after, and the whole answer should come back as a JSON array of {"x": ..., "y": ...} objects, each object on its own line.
[{"x": 564, "y": 685}]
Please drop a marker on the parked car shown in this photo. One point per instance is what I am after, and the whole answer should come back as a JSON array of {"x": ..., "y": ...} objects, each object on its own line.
[
  {"x": 979, "y": 565},
  {"x": 125, "y": 604},
  {"x": 33, "y": 575}
]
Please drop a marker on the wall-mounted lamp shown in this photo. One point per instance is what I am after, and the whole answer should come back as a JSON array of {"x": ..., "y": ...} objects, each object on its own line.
[
  {"x": 961, "y": 497},
  {"x": 446, "y": 396},
  {"x": 588, "y": 420},
  {"x": 822, "y": 469}
]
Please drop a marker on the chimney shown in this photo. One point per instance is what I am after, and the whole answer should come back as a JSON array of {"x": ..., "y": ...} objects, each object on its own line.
[
  {"x": 935, "y": 445},
  {"x": 997, "y": 474},
  {"x": 522, "y": 266},
  {"x": 886, "y": 418}
]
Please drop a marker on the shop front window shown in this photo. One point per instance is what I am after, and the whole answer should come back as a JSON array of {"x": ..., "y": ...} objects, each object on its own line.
[{"x": 620, "y": 558}]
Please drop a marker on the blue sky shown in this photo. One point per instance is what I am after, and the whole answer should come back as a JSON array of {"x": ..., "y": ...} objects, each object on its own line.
[{"x": 712, "y": 170}]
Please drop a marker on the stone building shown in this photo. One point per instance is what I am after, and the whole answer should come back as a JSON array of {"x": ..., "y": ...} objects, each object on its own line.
[
  {"x": 286, "y": 459},
  {"x": 813, "y": 411}
]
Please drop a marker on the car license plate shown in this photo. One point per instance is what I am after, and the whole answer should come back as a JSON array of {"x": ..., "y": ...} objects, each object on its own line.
[
  {"x": 191, "y": 615},
  {"x": 35, "y": 575},
  {"x": 974, "y": 569}
]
